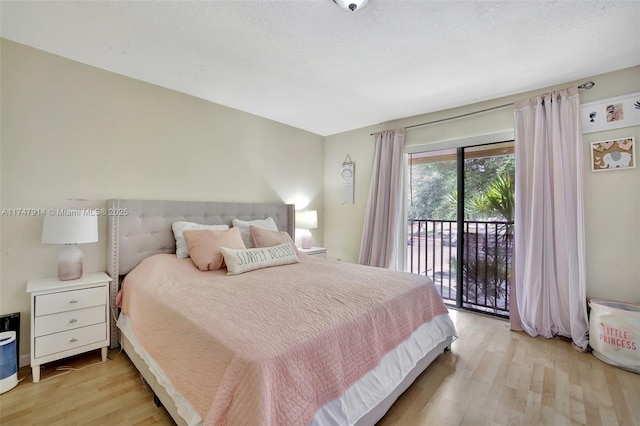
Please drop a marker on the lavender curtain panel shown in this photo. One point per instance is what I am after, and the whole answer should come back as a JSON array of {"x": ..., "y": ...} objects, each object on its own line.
[
  {"x": 383, "y": 216},
  {"x": 549, "y": 272}
]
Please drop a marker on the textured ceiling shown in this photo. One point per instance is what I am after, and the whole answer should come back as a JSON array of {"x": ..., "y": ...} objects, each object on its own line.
[{"x": 315, "y": 66}]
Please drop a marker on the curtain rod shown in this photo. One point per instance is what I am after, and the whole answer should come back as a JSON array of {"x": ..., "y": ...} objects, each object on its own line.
[{"x": 584, "y": 86}]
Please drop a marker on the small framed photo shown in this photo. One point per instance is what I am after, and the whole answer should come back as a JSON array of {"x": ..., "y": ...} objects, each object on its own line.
[
  {"x": 615, "y": 154},
  {"x": 612, "y": 113}
]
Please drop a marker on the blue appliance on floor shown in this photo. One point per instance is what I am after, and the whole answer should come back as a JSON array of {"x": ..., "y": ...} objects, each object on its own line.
[{"x": 8, "y": 361}]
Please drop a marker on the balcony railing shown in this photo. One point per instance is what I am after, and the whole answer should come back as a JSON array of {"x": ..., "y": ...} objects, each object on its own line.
[{"x": 486, "y": 264}]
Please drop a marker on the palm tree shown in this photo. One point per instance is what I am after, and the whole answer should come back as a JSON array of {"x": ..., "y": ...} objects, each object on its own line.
[
  {"x": 497, "y": 199},
  {"x": 486, "y": 276}
]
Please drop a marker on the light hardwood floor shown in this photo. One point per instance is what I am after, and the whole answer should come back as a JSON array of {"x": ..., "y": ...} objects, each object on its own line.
[{"x": 491, "y": 377}]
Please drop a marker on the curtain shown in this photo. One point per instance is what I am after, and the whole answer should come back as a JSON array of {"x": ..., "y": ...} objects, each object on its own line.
[
  {"x": 383, "y": 215},
  {"x": 550, "y": 271}
]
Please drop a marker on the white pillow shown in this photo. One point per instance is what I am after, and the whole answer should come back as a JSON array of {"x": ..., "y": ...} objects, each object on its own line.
[
  {"x": 267, "y": 223},
  {"x": 182, "y": 251},
  {"x": 239, "y": 261}
]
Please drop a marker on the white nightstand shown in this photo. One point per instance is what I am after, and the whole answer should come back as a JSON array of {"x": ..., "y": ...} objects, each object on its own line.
[
  {"x": 68, "y": 318},
  {"x": 314, "y": 251}
]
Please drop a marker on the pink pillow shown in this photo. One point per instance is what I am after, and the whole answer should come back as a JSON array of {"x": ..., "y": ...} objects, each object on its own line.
[
  {"x": 267, "y": 238},
  {"x": 204, "y": 246}
]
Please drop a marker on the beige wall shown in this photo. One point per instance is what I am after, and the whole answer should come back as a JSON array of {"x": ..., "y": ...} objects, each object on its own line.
[
  {"x": 612, "y": 199},
  {"x": 70, "y": 131}
]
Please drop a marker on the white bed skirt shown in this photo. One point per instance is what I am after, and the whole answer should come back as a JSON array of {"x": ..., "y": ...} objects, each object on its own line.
[{"x": 365, "y": 401}]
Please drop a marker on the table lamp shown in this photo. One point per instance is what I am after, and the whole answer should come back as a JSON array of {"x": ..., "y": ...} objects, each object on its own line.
[
  {"x": 305, "y": 220},
  {"x": 71, "y": 227}
]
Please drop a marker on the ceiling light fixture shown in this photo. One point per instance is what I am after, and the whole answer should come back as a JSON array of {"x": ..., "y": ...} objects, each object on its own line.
[{"x": 351, "y": 5}]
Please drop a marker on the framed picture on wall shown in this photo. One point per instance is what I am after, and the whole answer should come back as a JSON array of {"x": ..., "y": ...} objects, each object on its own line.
[
  {"x": 613, "y": 154},
  {"x": 612, "y": 113}
]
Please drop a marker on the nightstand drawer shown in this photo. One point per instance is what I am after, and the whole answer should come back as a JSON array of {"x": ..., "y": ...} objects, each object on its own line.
[
  {"x": 58, "y": 342},
  {"x": 70, "y": 300},
  {"x": 70, "y": 320}
]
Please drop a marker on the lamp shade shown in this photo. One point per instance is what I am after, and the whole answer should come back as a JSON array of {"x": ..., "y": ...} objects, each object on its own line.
[
  {"x": 307, "y": 219},
  {"x": 70, "y": 227}
]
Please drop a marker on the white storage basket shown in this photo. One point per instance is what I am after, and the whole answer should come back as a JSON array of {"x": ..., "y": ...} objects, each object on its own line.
[{"x": 614, "y": 333}]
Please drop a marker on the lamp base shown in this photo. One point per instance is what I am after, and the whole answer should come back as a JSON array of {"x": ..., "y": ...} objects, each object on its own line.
[
  {"x": 69, "y": 262},
  {"x": 306, "y": 239}
]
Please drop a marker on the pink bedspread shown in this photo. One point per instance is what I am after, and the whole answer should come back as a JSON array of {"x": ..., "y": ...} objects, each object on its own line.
[{"x": 270, "y": 347}]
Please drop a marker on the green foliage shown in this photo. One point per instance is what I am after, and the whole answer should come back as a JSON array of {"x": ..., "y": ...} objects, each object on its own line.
[
  {"x": 430, "y": 184},
  {"x": 486, "y": 269},
  {"x": 485, "y": 278},
  {"x": 497, "y": 199},
  {"x": 489, "y": 184}
]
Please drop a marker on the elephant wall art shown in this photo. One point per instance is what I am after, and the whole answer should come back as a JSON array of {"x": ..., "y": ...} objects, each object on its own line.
[{"x": 613, "y": 154}]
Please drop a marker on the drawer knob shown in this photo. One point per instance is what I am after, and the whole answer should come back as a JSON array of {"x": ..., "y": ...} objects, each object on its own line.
[
  {"x": 73, "y": 301},
  {"x": 72, "y": 320},
  {"x": 73, "y": 340}
]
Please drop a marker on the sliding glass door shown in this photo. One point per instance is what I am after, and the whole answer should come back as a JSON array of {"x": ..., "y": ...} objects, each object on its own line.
[{"x": 460, "y": 223}]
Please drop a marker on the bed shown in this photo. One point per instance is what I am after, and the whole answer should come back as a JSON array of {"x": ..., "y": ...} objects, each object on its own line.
[{"x": 336, "y": 355}]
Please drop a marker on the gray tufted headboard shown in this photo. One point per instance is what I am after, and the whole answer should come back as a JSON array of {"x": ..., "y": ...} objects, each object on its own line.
[{"x": 141, "y": 228}]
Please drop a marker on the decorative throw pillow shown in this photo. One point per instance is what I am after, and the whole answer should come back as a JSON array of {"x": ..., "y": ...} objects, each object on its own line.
[
  {"x": 204, "y": 246},
  {"x": 267, "y": 223},
  {"x": 262, "y": 237},
  {"x": 245, "y": 260},
  {"x": 178, "y": 230}
]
